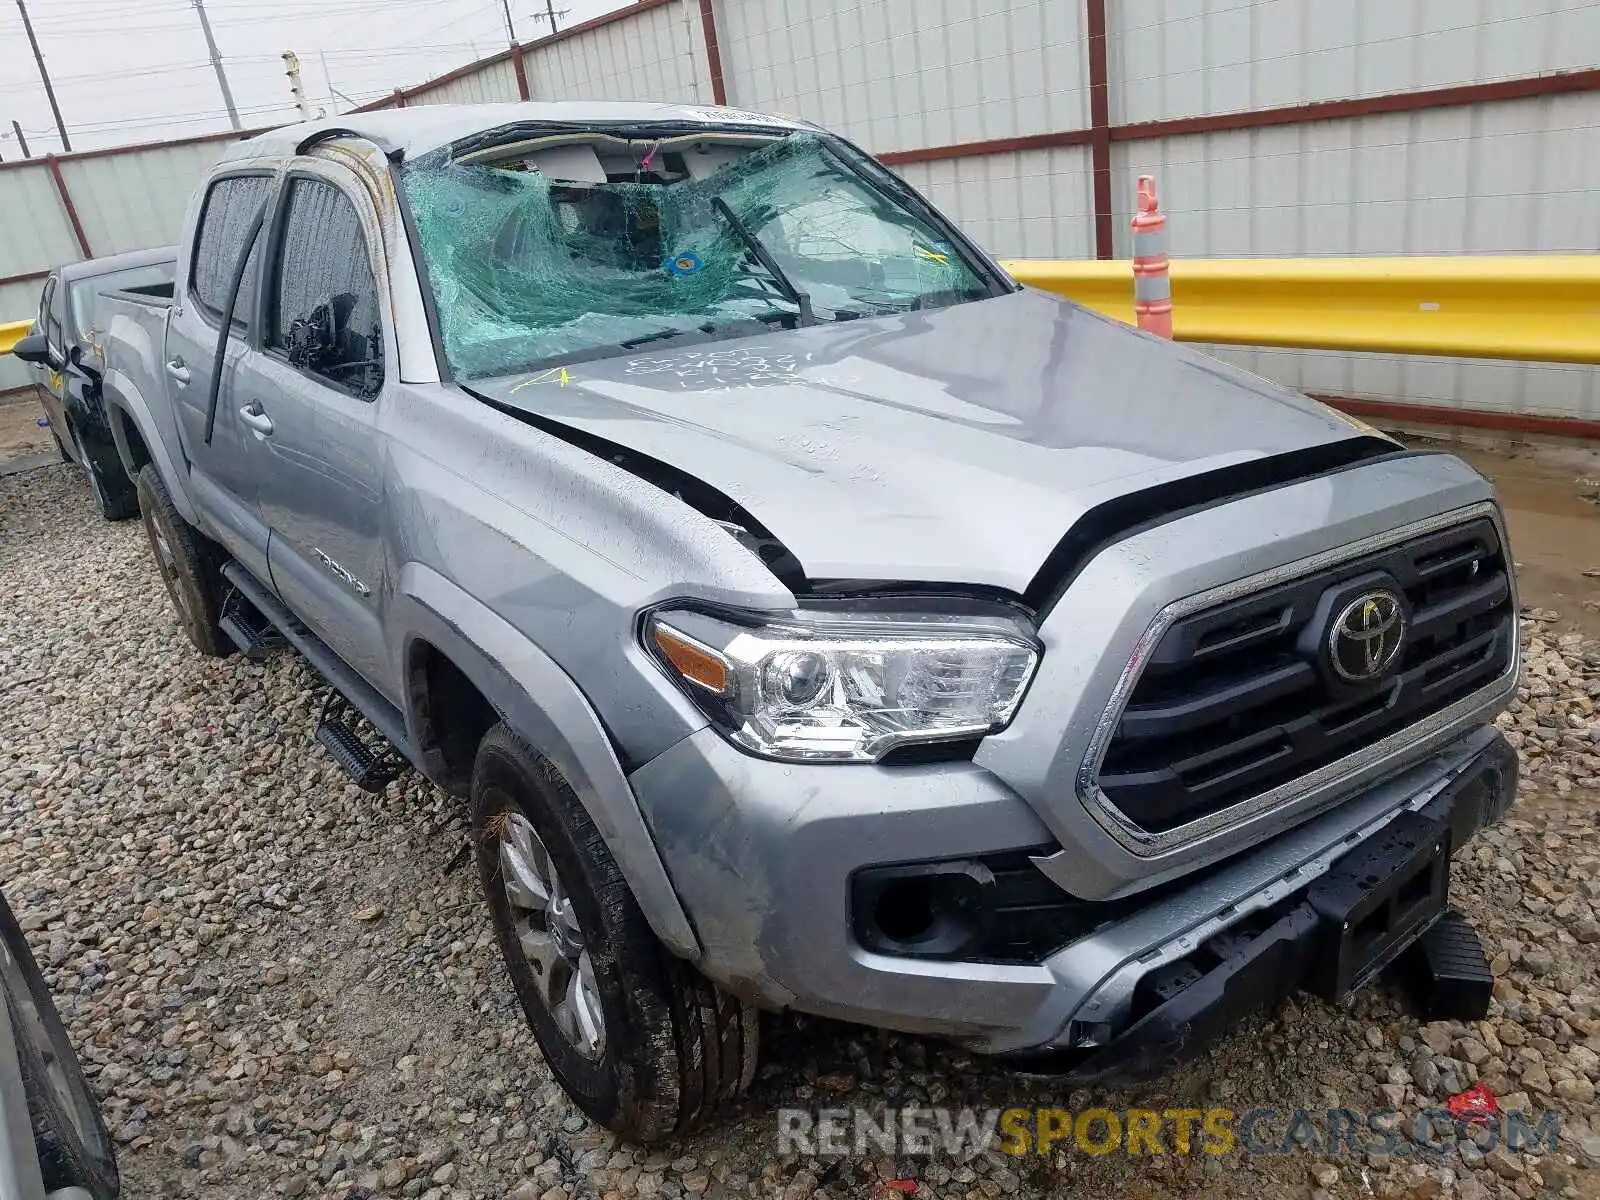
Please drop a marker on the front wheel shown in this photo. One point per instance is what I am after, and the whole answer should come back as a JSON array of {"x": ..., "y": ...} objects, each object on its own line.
[
  {"x": 643, "y": 1043},
  {"x": 187, "y": 563}
]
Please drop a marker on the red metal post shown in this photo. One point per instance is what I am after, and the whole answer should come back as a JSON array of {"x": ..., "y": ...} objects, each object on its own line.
[
  {"x": 708, "y": 23},
  {"x": 1099, "y": 125},
  {"x": 522, "y": 72},
  {"x": 66, "y": 202}
]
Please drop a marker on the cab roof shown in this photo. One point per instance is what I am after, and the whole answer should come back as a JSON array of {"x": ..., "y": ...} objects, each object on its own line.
[{"x": 418, "y": 129}]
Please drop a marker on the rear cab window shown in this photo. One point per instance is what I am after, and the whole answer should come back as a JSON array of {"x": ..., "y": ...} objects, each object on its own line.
[{"x": 230, "y": 207}]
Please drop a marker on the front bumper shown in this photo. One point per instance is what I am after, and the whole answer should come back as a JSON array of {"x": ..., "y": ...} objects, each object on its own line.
[{"x": 762, "y": 853}]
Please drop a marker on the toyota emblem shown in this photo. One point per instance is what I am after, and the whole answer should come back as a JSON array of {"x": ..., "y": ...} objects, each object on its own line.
[{"x": 1367, "y": 635}]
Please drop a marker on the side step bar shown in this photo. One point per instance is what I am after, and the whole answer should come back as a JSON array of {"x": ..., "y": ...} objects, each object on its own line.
[
  {"x": 371, "y": 770},
  {"x": 363, "y": 764},
  {"x": 246, "y": 629}
]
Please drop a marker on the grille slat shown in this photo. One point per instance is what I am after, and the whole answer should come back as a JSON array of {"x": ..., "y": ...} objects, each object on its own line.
[{"x": 1232, "y": 702}]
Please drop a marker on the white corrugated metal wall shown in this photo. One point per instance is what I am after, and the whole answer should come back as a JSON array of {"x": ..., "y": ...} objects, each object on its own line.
[
  {"x": 657, "y": 54},
  {"x": 489, "y": 84},
  {"x": 934, "y": 77},
  {"x": 895, "y": 74},
  {"x": 1520, "y": 176}
]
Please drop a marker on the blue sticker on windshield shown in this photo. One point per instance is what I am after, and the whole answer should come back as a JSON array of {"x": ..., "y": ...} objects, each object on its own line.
[{"x": 684, "y": 264}]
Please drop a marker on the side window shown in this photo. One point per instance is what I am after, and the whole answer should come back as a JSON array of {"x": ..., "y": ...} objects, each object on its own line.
[
  {"x": 230, "y": 206},
  {"x": 324, "y": 310}
]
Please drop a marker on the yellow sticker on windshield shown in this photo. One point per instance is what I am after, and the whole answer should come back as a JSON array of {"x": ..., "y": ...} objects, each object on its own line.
[{"x": 932, "y": 255}]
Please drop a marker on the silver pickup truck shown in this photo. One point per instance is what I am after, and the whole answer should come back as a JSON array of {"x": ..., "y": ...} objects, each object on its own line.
[{"x": 813, "y": 618}]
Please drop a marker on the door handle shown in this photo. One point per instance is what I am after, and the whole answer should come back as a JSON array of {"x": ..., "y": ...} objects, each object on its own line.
[
  {"x": 254, "y": 416},
  {"x": 179, "y": 372}
]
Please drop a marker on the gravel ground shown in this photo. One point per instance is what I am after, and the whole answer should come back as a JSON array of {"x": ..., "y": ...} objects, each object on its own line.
[{"x": 282, "y": 986}]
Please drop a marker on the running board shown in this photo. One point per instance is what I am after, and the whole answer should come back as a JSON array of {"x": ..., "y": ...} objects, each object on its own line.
[
  {"x": 370, "y": 769},
  {"x": 361, "y": 696},
  {"x": 255, "y": 636}
]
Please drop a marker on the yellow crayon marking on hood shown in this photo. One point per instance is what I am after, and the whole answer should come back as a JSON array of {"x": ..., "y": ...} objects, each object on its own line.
[{"x": 556, "y": 374}]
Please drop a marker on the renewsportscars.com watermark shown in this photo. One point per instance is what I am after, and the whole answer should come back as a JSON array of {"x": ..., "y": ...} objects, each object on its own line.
[{"x": 964, "y": 1132}]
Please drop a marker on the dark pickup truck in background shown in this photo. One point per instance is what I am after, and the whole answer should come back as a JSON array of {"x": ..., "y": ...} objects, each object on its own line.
[{"x": 65, "y": 351}]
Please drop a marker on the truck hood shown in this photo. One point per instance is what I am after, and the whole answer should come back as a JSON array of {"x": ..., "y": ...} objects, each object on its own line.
[{"x": 956, "y": 445}]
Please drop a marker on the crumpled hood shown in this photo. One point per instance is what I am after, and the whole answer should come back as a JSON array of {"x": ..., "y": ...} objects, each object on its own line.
[{"x": 955, "y": 445}]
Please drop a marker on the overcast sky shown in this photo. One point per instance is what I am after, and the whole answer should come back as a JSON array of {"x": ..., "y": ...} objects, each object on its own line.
[{"x": 137, "y": 70}]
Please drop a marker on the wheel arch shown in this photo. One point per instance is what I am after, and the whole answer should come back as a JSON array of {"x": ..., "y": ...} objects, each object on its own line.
[
  {"x": 539, "y": 701},
  {"x": 127, "y": 409}
]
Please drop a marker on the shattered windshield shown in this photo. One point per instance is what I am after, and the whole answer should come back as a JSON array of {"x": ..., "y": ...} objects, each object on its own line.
[{"x": 587, "y": 249}]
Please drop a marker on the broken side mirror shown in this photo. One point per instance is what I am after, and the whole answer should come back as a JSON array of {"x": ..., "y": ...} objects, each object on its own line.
[
  {"x": 35, "y": 349},
  {"x": 310, "y": 338}
]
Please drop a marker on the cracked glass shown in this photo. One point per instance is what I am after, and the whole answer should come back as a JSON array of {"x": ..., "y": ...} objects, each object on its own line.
[{"x": 529, "y": 269}]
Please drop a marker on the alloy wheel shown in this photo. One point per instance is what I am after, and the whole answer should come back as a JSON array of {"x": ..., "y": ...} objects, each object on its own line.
[{"x": 549, "y": 937}]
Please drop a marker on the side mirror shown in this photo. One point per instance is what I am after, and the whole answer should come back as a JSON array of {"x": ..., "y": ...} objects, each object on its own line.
[
  {"x": 310, "y": 338},
  {"x": 34, "y": 349}
]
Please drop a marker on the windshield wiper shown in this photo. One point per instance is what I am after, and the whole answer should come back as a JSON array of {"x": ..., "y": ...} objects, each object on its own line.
[
  {"x": 763, "y": 256},
  {"x": 659, "y": 335}
]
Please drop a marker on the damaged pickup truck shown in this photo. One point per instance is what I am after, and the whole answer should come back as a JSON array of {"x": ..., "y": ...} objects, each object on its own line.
[{"x": 816, "y": 619}]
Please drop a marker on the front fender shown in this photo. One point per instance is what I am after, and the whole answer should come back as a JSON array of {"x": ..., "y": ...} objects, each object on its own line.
[
  {"x": 120, "y": 392},
  {"x": 538, "y": 700}
]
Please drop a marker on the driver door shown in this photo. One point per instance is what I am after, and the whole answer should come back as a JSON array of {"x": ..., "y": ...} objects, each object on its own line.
[{"x": 314, "y": 396}]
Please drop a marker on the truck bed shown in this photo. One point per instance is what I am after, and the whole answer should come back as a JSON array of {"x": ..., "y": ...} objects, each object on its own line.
[{"x": 150, "y": 295}]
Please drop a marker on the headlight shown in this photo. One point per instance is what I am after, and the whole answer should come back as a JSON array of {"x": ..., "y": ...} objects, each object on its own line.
[{"x": 846, "y": 687}]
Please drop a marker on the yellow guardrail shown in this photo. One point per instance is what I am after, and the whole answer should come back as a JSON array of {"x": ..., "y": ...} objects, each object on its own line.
[
  {"x": 1534, "y": 309},
  {"x": 12, "y": 332}
]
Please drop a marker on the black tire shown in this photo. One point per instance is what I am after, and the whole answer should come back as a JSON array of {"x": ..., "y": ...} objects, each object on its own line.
[
  {"x": 61, "y": 448},
  {"x": 113, "y": 491},
  {"x": 69, "y": 1133},
  {"x": 188, "y": 564},
  {"x": 677, "y": 1049}
]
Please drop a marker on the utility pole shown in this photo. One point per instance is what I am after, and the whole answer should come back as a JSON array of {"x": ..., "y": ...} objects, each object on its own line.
[
  {"x": 550, "y": 7},
  {"x": 505, "y": 6},
  {"x": 50, "y": 92},
  {"x": 22, "y": 139},
  {"x": 216, "y": 64},
  {"x": 291, "y": 68}
]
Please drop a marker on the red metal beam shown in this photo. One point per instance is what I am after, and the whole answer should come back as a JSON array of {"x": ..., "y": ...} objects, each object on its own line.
[
  {"x": 139, "y": 147},
  {"x": 1099, "y": 125},
  {"x": 24, "y": 277},
  {"x": 1465, "y": 418},
  {"x": 1526, "y": 88},
  {"x": 708, "y": 23},
  {"x": 54, "y": 164},
  {"x": 1032, "y": 141}
]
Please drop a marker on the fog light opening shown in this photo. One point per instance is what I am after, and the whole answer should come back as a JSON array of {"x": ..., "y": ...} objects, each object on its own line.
[{"x": 904, "y": 910}]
